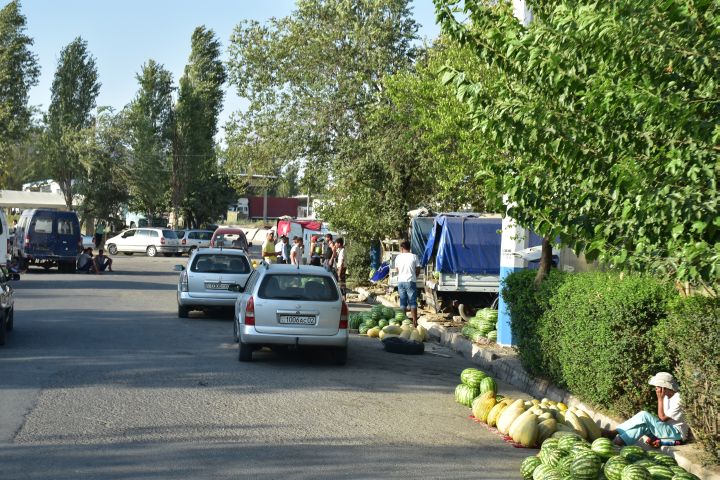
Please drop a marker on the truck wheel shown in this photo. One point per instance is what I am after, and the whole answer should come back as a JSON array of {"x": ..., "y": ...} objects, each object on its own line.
[
  {"x": 151, "y": 251},
  {"x": 112, "y": 249},
  {"x": 466, "y": 311}
]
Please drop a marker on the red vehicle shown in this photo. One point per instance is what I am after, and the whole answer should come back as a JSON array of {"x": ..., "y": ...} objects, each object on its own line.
[{"x": 229, "y": 237}]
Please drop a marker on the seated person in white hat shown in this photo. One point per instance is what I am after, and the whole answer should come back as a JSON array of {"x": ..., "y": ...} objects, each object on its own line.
[{"x": 668, "y": 425}]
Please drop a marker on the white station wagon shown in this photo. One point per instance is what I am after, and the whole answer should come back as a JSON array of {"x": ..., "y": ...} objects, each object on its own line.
[
  {"x": 150, "y": 241},
  {"x": 293, "y": 306},
  {"x": 206, "y": 281}
]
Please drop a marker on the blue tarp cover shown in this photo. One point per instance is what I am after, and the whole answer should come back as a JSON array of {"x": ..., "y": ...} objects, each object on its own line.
[
  {"x": 420, "y": 228},
  {"x": 465, "y": 244}
]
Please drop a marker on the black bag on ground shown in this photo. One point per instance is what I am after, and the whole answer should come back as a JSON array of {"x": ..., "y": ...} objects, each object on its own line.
[{"x": 403, "y": 345}]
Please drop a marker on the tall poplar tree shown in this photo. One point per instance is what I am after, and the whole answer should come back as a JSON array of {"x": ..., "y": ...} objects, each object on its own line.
[
  {"x": 151, "y": 129},
  {"x": 198, "y": 188},
  {"x": 19, "y": 72},
  {"x": 73, "y": 94}
]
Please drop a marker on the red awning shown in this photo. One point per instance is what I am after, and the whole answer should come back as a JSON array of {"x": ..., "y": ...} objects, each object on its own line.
[{"x": 283, "y": 226}]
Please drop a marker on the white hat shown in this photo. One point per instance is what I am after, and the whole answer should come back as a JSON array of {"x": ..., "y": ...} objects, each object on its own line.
[{"x": 664, "y": 380}]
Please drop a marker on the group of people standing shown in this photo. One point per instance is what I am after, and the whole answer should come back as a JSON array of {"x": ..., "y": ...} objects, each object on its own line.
[{"x": 324, "y": 251}]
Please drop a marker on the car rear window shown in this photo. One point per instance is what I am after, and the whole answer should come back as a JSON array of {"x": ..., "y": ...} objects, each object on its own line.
[
  {"x": 219, "y": 263},
  {"x": 169, "y": 234},
  {"x": 319, "y": 288},
  {"x": 43, "y": 225}
]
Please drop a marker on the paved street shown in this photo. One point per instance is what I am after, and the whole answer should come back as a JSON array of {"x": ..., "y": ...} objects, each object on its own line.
[{"x": 100, "y": 379}]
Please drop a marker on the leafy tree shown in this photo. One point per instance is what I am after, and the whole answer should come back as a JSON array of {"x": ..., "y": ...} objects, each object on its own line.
[
  {"x": 603, "y": 119},
  {"x": 198, "y": 187},
  {"x": 150, "y": 124},
  {"x": 104, "y": 155},
  {"x": 73, "y": 94},
  {"x": 19, "y": 72}
]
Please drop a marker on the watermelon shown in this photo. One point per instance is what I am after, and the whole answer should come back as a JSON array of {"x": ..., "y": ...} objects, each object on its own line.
[
  {"x": 488, "y": 384},
  {"x": 603, "y": 447},
  {"x": 551, "y": 456},
  {"x": 614, "y": 467},
  {"x": 663, "y": 459},
  {"x": 363, "y": 329},
  {"x": 382, "y": 324},
  {"x": 492, "y": 335},
  {"x": 543, "y": 472},
  {"x": 355, "y": 321},
  {"x": 660, "y": 472},
  {"x": 684, "y": 475},
  {"x": 465, "y": 395},
  {"x": 375, "y": 315},
  {"x": 585, "y": 466},
  {"x": 635, "y": 472},
  {"x": 472, "y": 377},
  {"x": 632, "y": 453},
  {"x": 468, "y": 331},
  {"x": 477, "y": 337},
  {"x": 400, "y": 316},
  {"x": 566, "y": 442},
  {"x": 388, "y": 313},
  {"x": 645, "y": 462},
  {"x": 550, "y": 443},
  {"x": 528, "y": 466}
]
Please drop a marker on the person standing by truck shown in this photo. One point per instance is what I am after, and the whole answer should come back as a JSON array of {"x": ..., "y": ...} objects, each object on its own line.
[
  {"x": 99, "y": 234},
  {"x": 407, "y": 267}
]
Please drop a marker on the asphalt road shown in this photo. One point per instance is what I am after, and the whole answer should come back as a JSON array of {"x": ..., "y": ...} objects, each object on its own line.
[{"x": 101, "y": 380}]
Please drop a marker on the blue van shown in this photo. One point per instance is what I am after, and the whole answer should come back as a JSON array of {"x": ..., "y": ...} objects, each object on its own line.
[{"x": 47, "y": 238}]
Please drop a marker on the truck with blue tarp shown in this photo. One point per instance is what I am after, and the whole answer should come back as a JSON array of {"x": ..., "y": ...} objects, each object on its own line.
[{"x": 461, "y": 260}]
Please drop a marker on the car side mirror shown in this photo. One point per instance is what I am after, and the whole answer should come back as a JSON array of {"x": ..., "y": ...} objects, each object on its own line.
[
  {"x": 178, "y": 268},
  {"x": 14, "y": 276},
  {"x": 234, "y": 287}
]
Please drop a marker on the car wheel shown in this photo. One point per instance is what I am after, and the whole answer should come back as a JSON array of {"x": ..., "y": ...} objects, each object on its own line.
[
  {"x": 236, "y": 337},
  {"x": 151, "y": 251},
  {"x": 3, "y": 328},
  {"x": 340, "y": 356},
  {"x": 112, "y": 249},
  {"x": 10, "y": 320},
  {"x": 183, "y": 311},
  {"x": 244, "y": 352}
]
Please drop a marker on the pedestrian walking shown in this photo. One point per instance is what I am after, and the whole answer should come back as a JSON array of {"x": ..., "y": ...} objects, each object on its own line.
[
  {"x": 407, "y": 267},
  {"x": 268, "y": 248},
  {"x": 341, "y": 267},
  {"x": 297, "y": 251}
]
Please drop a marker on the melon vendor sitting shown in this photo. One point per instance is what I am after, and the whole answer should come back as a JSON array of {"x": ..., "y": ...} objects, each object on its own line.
[{"x": 668, "y": 427}]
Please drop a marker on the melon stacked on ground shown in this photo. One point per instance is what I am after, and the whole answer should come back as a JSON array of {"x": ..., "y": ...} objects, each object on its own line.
[
  {"x": 383, "y": 322},
  {"x": 566, "y": 456},
  {"x": 483, "y": 326}
]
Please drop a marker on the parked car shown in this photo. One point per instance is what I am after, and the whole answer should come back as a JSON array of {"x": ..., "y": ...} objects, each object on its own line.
[
  {"x": 193, "y": 239},
  {"x": 7, "y": 303},
  {"x": 47, "y": 238},
  {"x": 205, "y": 282},
  {"x": 148, "y": 240},
  {"x": 291, "y": 305},
  {"x": 229, "y": 237}
]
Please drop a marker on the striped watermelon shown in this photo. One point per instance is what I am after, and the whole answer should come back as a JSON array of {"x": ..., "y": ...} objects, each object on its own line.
[
  {"x": 551, "y": 456},
  {"x": 632, "y": 453},
  {"x": 645, "y": 462},
  {"x": 603, "y": 447},
  {"x": 372, "y": 323},
  {"x": 684, "y": 475},
  {"x": 663, "y": 459},
  {"x": 566, "y": 442},
  {"x": 581, "y": 447},
  {"x": 488, "y": 384},
  {"x": 465, "y": 395},
  {"x": 550, "y": 443},
  {"x": 528, "y": 466},
  {"x": 492, "y": 335},
  {"x": 362, "y": 329},
  {"x": 635, "y": 472},
  {"x": 382, "y": 324},
  {"x": 613, "y": 468},
  {"x": 585, "y": 466},
  {"x": 543, "y": 472},
  {"x": 659, "y": 472},
  {"x": 472, "y": 377}
]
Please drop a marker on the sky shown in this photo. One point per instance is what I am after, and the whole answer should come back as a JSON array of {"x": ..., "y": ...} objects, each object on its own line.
[{"x": 122, "y": 35}]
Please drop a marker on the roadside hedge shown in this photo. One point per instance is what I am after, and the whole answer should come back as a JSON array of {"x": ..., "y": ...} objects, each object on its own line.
[
  {"x": 602, "y": 335},
  {"x": 692, "y": 335},
  {"x": 592, "y": 333}
]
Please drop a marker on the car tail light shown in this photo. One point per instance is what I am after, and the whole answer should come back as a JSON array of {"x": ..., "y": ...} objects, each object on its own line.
[
  {"x": 344, "y": 316},
  {"x": 27, "y": 240},
  {"x": 162, "y": 240},
  {"x": 184, "y": 282},
  {"x": 184, "y": 241},
  {"x": 250, "y": 312}
]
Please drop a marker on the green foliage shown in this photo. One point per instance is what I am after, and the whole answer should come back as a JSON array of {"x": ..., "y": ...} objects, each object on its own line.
[
  {"x": 603, "y": 122},
  {"x": 151, "y": 131},
  {"x": 73, "y": 94},
  {"x": 693, "y": 339},
  {"x": 526, "y": 305},
  {"x": 198, "y": 187},
  {"x": 358, "y": 260},
  {"x": 19, "y": 72},
  {"x": 592, "y": 333}
]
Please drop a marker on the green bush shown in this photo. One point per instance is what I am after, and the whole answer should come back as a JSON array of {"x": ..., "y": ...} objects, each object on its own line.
[
  {"x": 603, "y": 328},
  {"x": 358, "y": 260},
  {"x": 692, "y": 335},
  {"x": 526, "y": 304}
]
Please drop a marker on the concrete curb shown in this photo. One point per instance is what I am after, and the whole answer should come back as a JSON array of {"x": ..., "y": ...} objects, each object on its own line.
[{"x": 507, "y": 367}]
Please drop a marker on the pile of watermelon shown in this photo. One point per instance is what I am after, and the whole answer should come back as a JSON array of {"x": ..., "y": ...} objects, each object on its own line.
[
  {"x": 378, "y": 316},
  {"x": 483, "y": 326},
  {"x": 566, "y": 455},
  {"x": 474, "y": 383}
]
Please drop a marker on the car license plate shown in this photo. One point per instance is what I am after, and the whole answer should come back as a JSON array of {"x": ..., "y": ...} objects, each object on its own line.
[
  {"x": 297, "y": 320},
  {"x": 217, "y": 286}
]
